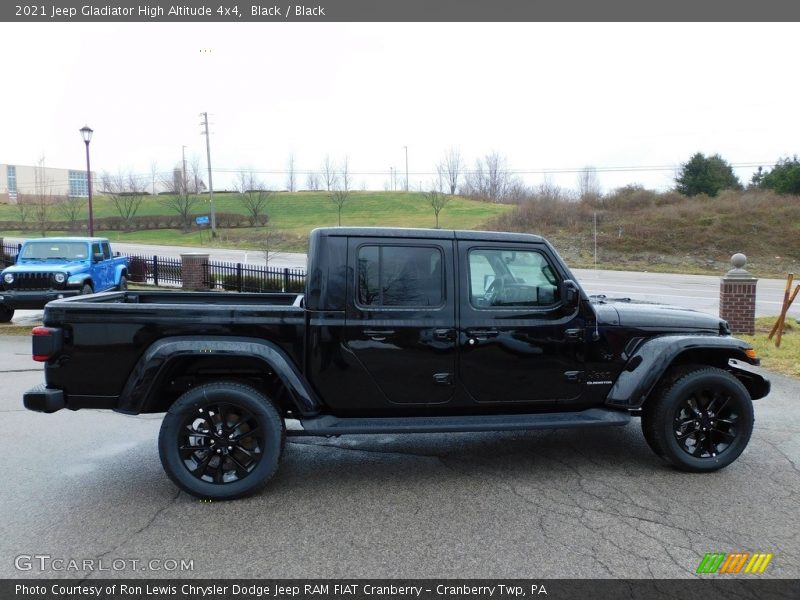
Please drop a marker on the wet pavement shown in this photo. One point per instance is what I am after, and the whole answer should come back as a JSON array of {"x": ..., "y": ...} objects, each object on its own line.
[{"x": 88, "y": 485}]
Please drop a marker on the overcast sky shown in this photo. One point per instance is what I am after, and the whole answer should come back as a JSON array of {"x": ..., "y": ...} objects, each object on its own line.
[{"x": 547, "y": 96}]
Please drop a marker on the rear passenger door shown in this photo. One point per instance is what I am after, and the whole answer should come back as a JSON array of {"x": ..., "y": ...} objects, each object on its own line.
[{"x": 400, "y": 322}]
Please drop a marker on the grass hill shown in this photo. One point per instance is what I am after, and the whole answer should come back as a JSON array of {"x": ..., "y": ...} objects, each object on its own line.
[{"x": 637, "y": 229}]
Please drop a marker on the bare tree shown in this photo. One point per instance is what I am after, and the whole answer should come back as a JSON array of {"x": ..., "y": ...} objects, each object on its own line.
[
  {"x": 290, "y": 174},
  {"x": 450, "y": 168},
  {"x": 329, "y": 173},
  {"x": 588, "y": 184},
  {"x": 312, "y": 180},
  {"x": 153, "y": 176},
  {"x": 196, "y": 183},
  {"x": 127, "y": 193},
  {"x": 438, "y": 200},
  {"x": 341, "y": 193},
  {"x": 42, "y": 197},
  {"x": 254, "y": 197},
  {"x": 344, "y": 178},
  {"x": 269, "y": 243},
  {"x": 179, "y": 200},
  {"x": 72, "y": 208},
  {"x": 23, "y": 207},
  {"x": 490, "y": 178}
]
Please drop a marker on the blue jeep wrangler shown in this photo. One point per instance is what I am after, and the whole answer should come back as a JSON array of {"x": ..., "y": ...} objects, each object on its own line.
[{"x": 52, "y": 268}]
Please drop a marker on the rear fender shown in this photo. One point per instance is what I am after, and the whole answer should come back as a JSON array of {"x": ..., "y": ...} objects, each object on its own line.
[
  {"x": 143, "y": 381},
  {"x": 119, "y": 272},
  {"x": 651, "y": 359}
]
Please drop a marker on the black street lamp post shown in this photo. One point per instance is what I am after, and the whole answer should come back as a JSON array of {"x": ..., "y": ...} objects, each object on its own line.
[{"x": 87, "y": 132}]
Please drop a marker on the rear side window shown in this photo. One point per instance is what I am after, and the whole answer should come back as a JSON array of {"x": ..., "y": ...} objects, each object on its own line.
[{"x": 402, "y": 276}]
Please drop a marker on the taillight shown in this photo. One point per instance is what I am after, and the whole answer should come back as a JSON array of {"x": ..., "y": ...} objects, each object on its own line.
[{"x": 46, "y": 343}]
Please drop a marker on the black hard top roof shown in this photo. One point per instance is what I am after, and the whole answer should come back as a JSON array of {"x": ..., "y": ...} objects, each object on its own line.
[{"x": 439, "y": 234}]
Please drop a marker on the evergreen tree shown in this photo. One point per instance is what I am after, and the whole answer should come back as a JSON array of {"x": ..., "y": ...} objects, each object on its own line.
[{"x": 706, "y": 175}]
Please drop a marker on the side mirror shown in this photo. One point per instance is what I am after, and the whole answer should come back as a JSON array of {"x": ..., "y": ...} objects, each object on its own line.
[
  {"x": 97, "y": 257},
  {"x": 488, "y": 280},
  {"x": 570, "y": 294}
]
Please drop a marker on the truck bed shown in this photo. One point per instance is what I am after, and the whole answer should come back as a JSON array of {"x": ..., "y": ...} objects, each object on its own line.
[{"x": 125, "y": 324}]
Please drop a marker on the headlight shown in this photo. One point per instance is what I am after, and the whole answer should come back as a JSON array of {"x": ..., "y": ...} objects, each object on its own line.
[
  {"x": 8, "y": 278},
  {"x": 59, "y": 277}
]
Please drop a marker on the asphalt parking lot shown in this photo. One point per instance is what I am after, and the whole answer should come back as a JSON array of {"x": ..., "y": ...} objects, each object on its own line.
[{"x": 567, "y": 503}]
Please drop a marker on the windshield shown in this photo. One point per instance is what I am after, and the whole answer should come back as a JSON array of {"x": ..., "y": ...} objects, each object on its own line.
[{"x": 59, "y": 250}]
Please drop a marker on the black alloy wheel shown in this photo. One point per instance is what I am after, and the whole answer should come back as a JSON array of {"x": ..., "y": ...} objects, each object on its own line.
[
  {"x": 706, "y": 423},
  {"x": 221, "y": 443},
  {"x": 221, "y": 440},
  {"x": 699, "y": 418}
]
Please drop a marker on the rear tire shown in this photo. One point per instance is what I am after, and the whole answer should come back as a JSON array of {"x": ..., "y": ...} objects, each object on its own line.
[
  {"x": 699, "y": 420},
  {"x": 221, "y": 441},
  {"x": 123, "y": 284},
  {"x": 6, "y": 314}
]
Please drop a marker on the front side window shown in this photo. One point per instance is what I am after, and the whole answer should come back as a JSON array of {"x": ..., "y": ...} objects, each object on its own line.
[
  {"x": 401, "y": 276},
  {"x": 501, "y": 278}
]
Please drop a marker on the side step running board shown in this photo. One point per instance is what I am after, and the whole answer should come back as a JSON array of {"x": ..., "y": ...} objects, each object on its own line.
[{"x": 330, "y": 425}]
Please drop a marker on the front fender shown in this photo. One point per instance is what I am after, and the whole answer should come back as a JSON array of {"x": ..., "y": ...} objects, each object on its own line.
[
  {"x": 651, "y": 359},
  {"x": 78, "y": 279},
  {"x": 142, "y": 381}
]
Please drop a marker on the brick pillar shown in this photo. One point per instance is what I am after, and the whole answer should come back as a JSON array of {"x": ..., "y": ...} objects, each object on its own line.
[
  {"x": 737, "y": 297},
  {"x": 194, "y": 271}
]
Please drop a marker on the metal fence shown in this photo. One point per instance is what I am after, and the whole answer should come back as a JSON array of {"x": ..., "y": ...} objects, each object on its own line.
[
  {"x": 158, "y": 270},
  {"x": 166, "y": 271},
  {"x": 9, "y": 253},
  {"x": 238, "y": 277}
]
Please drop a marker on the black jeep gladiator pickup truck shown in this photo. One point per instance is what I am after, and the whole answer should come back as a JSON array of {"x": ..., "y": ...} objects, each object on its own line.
[{"x": 400, "y": 330}]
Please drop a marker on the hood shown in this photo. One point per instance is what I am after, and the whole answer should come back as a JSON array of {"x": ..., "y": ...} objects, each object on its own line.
[
  {"x": 41, "y": 267},
  {"x": 647, "y": 315}
]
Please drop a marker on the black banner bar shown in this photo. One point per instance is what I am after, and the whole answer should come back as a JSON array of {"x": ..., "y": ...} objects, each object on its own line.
[
  {"x": 707, "y": 588},
  {"x": 286, "y": 11}
]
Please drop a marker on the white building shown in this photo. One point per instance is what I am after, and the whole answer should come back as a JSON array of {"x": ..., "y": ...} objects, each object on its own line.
[{"x": 24, "y": 180}]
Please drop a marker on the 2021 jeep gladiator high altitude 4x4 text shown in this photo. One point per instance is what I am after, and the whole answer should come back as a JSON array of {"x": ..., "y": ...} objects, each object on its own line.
[{"x": 400, "y": 330}]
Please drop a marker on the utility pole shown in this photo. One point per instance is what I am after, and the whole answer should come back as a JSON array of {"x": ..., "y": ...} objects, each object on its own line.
[
  {"x": 185, "y": 182},
  {"x": 210, "y": 182},
  {"x": 406, "y": 147}
]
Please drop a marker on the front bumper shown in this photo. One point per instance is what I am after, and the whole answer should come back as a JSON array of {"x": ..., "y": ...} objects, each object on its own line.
[
  {"x": 33, "y": 300},
  {"x": 44, "y": 399}
]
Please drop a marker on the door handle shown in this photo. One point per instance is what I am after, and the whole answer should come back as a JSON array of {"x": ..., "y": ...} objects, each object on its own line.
[
  {"x": 481, "y": 334},
  {"x": 446, "y": 335},
  {"x": 573, "y": 334},
  {"x": 378, "y": 335}
]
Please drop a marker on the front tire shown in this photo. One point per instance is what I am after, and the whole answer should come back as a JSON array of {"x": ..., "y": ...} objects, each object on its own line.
[
  {"x": 6, "y": 313},
  {"x": 221, "y": 441},
  {"x": 86, "y": 289},
  {"x": 700, "y": 420}
]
